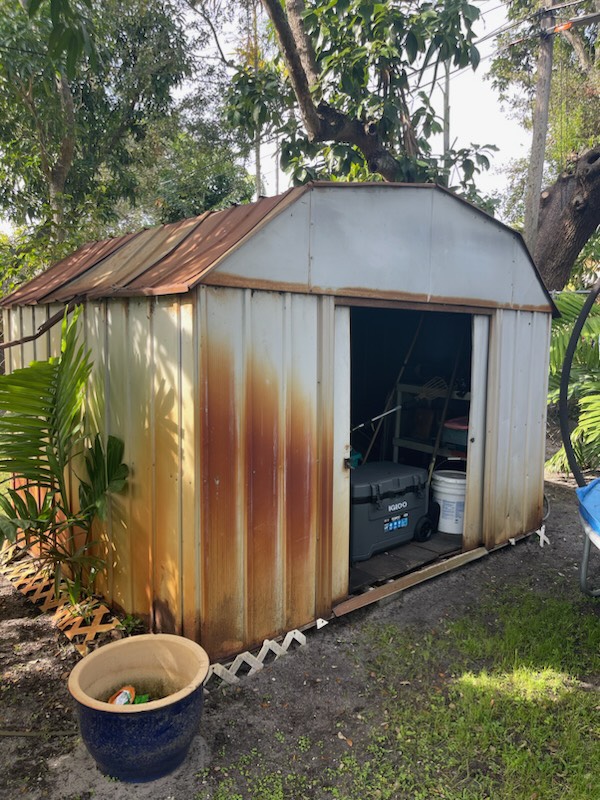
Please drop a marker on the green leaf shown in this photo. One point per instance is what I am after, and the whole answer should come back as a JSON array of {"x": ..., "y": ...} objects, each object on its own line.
[
  {"x": 56, "y": 10},
  {"x": 107, "y": 474},
  {"x": 412, "y": 46},
  {"x": 471, "y": 13},
  {"x": 8, "y": 529}
]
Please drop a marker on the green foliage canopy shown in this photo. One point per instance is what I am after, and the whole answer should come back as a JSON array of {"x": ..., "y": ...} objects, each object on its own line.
[
  {"x": 93, "y": 139},
  {"x": 66, "y": 142},
  {"x": 372, "y": 61}
]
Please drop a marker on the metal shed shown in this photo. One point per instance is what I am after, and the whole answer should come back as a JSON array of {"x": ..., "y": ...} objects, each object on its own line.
[{"x": 235, "y": 352}]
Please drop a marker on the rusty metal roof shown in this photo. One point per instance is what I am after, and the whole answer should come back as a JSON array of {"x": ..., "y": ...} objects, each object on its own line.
[
  {"x": 174, "y": 258},
  {"x": 168, "y": 259}
]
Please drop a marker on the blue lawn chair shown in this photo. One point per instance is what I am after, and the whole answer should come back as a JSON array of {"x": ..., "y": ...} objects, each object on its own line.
[{"x": 589, "y": 513}]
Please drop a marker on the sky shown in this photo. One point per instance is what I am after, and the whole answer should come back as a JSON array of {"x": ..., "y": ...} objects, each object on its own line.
[{"x": 476, "y": 115}]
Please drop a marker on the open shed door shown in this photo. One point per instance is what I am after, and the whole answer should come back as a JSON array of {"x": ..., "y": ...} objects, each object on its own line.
[
  {"x": 341, "y": 452},
  {"x": 473, "y": 527}
]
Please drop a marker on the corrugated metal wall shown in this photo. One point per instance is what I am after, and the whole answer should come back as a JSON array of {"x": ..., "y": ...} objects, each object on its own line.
[
  {"x": 516, "y": 424},
  {"x": 225, "y": 402},
  {"x": 234, "y": 408}
]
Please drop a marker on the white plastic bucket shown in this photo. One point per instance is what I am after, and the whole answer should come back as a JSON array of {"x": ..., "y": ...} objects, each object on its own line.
[{"x": 449, "y": 488}]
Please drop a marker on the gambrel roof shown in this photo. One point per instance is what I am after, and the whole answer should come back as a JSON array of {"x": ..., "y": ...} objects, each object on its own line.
[{"x": 406, "y": 242}]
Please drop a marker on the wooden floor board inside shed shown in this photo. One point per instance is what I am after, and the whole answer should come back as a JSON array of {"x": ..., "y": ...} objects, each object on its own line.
[{"x": 401, "y": 560}]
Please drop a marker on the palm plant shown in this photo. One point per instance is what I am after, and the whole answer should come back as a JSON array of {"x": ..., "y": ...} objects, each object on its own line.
[
  {"x": 42, "y": 439},
  {"x": 584, "y": 383}
]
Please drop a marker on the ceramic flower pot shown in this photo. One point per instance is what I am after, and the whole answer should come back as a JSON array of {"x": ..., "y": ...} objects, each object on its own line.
[{"x": 141, "y": 742}]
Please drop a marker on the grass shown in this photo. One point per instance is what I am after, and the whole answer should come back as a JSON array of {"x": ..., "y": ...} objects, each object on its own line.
[
  {"x": 504, "y": 706},
  {"x": 512, "y": 716}
]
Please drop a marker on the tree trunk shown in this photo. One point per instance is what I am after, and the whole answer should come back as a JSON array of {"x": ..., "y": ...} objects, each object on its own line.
[{"x": 569, "y": 215}]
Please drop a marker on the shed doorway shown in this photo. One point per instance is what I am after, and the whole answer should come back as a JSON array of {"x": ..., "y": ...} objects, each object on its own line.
[{"x": 410, "y": 402}]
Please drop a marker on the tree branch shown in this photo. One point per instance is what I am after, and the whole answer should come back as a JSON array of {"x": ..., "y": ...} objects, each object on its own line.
[
  {"x": 295, "y": 9},
  {"x": 199, "y": 9},
  {"x": 27, "y": 97},
  {"x": 579, "y": 48},
  {"x": 61, "y": 169},
  {"x": 297, "y": 73},
  {"x": 339, "y": 127},
  {"x": 323, "y": 123}
]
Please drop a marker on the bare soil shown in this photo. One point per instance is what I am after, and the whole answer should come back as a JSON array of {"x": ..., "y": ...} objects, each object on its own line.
[{"x": 316, "y": 693}]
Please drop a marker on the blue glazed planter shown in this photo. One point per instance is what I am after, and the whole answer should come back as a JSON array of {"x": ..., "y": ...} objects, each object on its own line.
[{"x": 140, "y": 743}]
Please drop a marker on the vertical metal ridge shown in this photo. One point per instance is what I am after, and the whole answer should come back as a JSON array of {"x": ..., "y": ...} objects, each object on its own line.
[
  {"x": 106, "y": 387},
  {"x": 180, "y": 434},
  {"x": 285, "y": 411},
  {"x": 340, "y": 490},
  {"x": 245, "y": 464},
  {"x": 325, "y": 456},
  {"x": 152, "y": 420},
  {"x": 198, "y": 485},
  {"x": 201, "y": 447},
  {"x": 474, "y": 500}
]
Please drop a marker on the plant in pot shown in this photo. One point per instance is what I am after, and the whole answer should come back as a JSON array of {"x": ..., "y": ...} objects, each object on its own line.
[{"x": 42, "y": 443}]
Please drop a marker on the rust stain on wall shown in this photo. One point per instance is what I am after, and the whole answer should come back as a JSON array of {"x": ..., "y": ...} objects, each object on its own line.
[
  {"x": 300, "y": 509},
  {"x": 223, "y": 587},
  {"x": 263, "y": 462}
]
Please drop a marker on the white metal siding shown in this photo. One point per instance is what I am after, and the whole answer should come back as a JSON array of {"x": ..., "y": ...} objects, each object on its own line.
[
  {"x": 473, "y": 526},
  {"x": 412, "y": 244},
  {"x": 516, "y": 419},
  {"x": 277, "y": 253},
  {"x": 341, "y": 450}
]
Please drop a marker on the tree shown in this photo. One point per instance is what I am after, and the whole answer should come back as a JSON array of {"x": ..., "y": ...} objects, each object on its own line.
[
  {"x": 193, "y": 169},
  {"x": 66, "y": 142},
  {"x": 90, "y": 146},
  {"x": 69, "y": 36},
  {"x": 349, "y": 67},
  {"x": 351, "y": 73},
  {"x": 569, "y": 217},
  {"x": 348, "y": 93},
  {"x": 569, "y": 212}
]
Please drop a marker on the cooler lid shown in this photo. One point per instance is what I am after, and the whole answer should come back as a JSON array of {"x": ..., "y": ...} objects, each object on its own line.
[{"x": 385, "y": 479}]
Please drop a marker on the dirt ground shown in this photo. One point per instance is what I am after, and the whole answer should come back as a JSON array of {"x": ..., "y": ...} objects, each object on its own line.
[{"x": 315, "y": 693}]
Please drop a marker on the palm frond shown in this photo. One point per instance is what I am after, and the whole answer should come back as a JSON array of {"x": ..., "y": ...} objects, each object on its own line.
[
  {"x": 41, "y": 426},
  {"x": 570, "y": 305},
  {"x": 584, "y": 380}
]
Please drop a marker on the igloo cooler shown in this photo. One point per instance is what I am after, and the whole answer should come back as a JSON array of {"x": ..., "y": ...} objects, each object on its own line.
[{"x": 389, "y": 507}]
